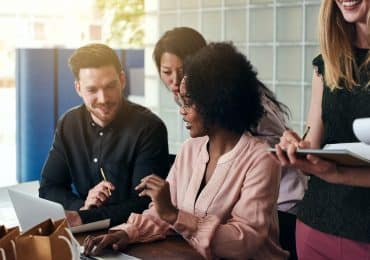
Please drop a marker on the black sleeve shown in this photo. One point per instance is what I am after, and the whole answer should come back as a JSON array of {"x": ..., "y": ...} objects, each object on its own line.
[
  {"x": 55, "y": 183},
  {"x": 151, "y": 157}
]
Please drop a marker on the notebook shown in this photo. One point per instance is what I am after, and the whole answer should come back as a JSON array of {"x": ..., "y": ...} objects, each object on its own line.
[
  {"x": 31, "y": 210},
  {"x": 347, "y": 154}
]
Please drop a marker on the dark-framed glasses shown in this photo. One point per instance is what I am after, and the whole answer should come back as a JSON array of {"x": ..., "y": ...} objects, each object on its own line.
[{"x": 184, "y": 103}]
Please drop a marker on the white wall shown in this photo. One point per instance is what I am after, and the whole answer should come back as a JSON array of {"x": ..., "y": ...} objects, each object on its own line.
[{"x": 278, "y": 36}]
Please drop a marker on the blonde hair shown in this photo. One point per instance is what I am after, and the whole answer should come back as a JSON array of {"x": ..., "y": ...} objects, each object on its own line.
[{"x": 335, "y": 37}]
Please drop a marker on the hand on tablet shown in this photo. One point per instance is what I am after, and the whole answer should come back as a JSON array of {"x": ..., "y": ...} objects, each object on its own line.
[
  {"x": 286, "y": 148},
  {"x": 286, "y": 156}
]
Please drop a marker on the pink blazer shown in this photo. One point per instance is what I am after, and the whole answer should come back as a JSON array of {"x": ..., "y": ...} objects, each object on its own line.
[{"x": 234, "y": 215}]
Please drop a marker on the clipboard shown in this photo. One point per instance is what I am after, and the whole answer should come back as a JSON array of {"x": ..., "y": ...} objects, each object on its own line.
[{"x": 340, "y": 156}]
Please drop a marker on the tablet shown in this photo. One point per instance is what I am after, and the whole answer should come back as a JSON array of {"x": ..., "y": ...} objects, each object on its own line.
[{"x": 340, "y": 156}]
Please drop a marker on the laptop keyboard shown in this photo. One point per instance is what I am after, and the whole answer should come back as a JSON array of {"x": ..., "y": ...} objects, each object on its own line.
[{"x": 84, "y": 257}]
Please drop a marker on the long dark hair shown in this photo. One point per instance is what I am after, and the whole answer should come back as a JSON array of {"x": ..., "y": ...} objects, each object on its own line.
[
  {"x": 180, "y": 41},
  {"x": 284, "y": 109}
]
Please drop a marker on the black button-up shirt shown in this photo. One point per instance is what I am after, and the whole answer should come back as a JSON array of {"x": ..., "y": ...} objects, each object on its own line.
[{"x": 132, "y": 146}]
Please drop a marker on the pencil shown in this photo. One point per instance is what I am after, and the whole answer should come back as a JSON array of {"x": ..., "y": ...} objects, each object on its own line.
[
  {"x": 105, "y": 179},
  {"x": 305, "y": 133}
]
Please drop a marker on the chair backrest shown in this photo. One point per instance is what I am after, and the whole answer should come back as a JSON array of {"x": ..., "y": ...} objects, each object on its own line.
[
  {"x": 171, "y": 159},
  {"x": 287, "y": 233}
]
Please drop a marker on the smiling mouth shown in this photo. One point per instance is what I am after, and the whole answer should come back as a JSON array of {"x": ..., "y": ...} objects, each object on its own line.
[
  {"x": 187, "y": 124},
  {"x": 351, "y": 4},
  {"x": 105, "y": 109}
]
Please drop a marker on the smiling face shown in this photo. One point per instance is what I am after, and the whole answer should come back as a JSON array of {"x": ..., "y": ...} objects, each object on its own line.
[
  {"x": 171, "y": 72},
  {"x": 193, "y": 120},
  {"x": 354, "y": 11},
  {"x": 101, "y": 90}
]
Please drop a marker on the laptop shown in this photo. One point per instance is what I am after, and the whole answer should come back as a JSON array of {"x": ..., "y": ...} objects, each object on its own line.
[{"x": 32, "y": 210}]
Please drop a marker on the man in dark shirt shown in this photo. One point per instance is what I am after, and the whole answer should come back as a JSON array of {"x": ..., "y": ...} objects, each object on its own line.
[{"x": 107, "y": 135}]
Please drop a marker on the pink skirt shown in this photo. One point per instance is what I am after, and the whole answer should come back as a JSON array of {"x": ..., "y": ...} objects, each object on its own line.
[{"x": 315, "y": 245}]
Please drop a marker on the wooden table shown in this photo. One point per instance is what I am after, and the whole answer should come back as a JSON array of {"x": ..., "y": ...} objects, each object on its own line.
[{"x": 173, "y": 247}]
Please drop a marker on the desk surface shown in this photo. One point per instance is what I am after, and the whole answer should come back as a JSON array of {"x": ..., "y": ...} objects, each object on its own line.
[{"x": 173, "y": 247}]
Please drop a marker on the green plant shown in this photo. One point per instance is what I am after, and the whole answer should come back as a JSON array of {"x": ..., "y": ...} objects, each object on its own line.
[{"x": 126, "y": 21}]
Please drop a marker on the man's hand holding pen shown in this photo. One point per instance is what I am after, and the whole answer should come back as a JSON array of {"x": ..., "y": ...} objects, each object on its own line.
[{"x": 99, "y": 194}]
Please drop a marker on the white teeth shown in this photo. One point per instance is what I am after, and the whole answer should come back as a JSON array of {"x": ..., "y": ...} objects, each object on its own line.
[
  {"x": 187, "y": 124},
  {"x": 350, "y": 3}
]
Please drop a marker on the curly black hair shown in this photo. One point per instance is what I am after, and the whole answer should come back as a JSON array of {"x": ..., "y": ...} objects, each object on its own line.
[{"x": 224, "y": 88}]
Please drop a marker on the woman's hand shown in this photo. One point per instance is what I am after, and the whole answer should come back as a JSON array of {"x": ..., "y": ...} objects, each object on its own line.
[
  {"x": 159, "y": 191},
  {"x": 286, "y": 155},
  {"x": 94, "y": 245},
  {"x": 326, "y": 170},
  {"x": 287, "y": 147}
]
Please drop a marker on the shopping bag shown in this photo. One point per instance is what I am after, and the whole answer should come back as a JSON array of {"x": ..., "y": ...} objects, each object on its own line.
[
  {"x": 47, "y": 241},
  {"x": 7, "y": 246}
]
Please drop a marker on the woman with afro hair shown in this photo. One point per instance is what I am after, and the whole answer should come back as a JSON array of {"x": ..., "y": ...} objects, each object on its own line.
[{"x": 221, "y": 192}]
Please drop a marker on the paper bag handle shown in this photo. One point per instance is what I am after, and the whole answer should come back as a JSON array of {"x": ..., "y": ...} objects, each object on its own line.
[
  {"x": 70, "y": 243},
  {"x": 2, "y": 251}
]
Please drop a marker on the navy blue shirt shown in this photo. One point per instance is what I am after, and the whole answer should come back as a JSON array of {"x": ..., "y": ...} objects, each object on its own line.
[{"x": 131, "y": 147}]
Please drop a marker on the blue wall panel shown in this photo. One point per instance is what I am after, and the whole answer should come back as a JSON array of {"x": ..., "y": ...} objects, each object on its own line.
[
  {"x": 35, "y": 110},
  {"x": 133, "y": 59},
  {"x": 67, "y": 96}
]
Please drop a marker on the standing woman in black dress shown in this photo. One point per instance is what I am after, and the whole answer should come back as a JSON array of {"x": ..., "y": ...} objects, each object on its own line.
[{"x": 334, "y": 216}]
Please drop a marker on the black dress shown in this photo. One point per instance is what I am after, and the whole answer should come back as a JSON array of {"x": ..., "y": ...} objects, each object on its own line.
[{"x": 340, "y": 210}]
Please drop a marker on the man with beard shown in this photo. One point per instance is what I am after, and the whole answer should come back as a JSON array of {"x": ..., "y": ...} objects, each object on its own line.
[{"x": 104, "y": 147}]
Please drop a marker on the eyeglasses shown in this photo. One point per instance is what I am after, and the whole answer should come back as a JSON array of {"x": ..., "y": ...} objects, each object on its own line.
[
  {"x": 184, "y": 104},
  {"x": 183, "y": 100}
]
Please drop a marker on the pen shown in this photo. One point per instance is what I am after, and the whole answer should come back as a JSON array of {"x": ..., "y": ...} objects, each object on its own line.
[
  {"x": 105, "y": 179},
  {"x": 305, "y": 133}
]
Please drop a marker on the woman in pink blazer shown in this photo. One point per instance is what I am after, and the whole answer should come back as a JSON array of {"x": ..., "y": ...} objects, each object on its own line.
[{"x": 221, "y": 192}]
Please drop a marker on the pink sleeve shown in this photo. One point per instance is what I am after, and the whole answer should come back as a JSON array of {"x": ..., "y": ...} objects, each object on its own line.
[
  {"x": 247, "y": 228},
  {"x": 144, "y": 227},
  {"x": 148, "y": 226},
  {"x": 197, "y": 231}
]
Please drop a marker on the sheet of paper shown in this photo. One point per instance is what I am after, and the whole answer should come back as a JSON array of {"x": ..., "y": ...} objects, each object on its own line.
[
  {"x": 115, "y": 256},
  {"x": 101, "y": 224},
  {"x": 360, "y": 149}
]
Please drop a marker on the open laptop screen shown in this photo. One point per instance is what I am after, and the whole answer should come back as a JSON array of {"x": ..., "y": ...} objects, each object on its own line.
[{"x": 32, "y": 210}]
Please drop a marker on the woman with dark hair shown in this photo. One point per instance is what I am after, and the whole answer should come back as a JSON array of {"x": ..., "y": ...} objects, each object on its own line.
[
  {"x": 169, "y": 53},
  {"x": 221, "y": 192}
]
